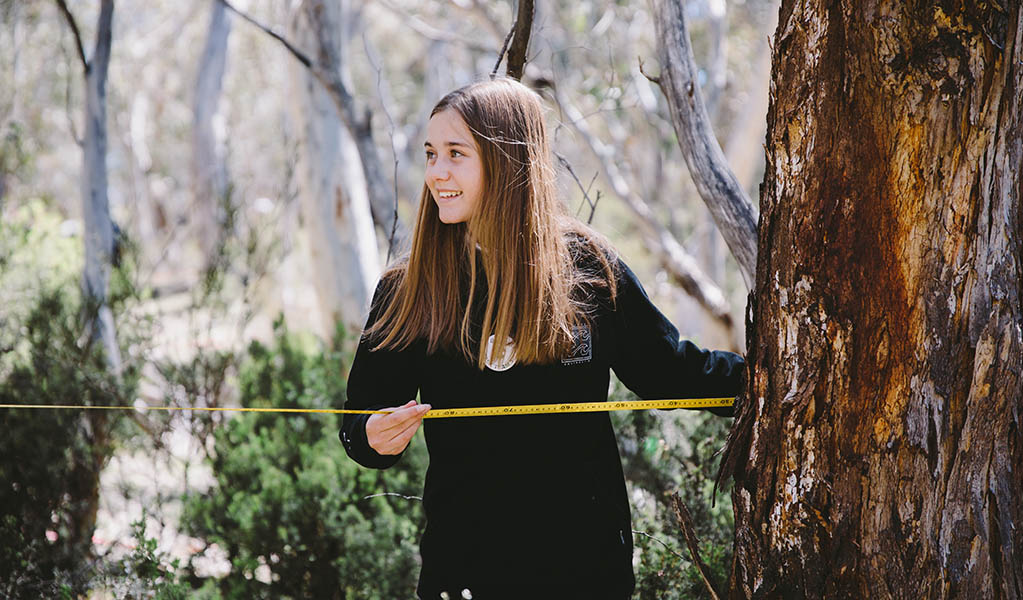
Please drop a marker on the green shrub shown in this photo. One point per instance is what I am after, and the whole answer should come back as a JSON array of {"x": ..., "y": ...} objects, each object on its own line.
[
  {"x": 52, "y": 459},
  {"x": 675, "y": 451},
  {"x": 290, "y": 504},
  {"x": 145, "y": 573}
]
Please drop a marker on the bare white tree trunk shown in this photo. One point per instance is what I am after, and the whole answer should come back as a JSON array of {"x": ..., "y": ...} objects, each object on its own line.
[
  {"x": 209, "y": 170},
  {"x": 328, "y": 68},
  {"x": 99, "y": 229},
  {"x": 332, "y": 186},
  {"x": 325, "y": 65},
  {"x": 99, "y": 255}
]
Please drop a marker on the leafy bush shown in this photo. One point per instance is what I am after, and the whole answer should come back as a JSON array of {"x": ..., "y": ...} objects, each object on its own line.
[
  {"x": 675, "y": 451},
  {"x": 51, "y": 458},
  {"x": 296, "y": 517},
  {"x": 144, "y": 573}
]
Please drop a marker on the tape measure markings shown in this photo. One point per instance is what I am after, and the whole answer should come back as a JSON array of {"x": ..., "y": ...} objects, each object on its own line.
[{"x": 435, "y": 413}]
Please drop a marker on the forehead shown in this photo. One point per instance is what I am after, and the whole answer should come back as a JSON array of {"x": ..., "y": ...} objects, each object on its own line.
[{"x": 447, "y": 127}]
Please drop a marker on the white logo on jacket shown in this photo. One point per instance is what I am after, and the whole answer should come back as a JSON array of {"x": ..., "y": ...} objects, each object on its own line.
[
  {"x": 582, "y": 346},
  {"x": 506, "y": 361}
]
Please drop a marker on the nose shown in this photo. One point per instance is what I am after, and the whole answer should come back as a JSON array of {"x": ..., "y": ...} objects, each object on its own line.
[{"x": 438, "y": 171}]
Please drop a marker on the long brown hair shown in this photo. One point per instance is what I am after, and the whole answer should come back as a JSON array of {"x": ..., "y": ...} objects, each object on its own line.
[{"x": 529, "y": 248}]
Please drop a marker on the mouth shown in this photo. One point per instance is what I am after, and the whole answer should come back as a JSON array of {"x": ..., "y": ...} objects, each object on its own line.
[{"x": 447, "y": 195}]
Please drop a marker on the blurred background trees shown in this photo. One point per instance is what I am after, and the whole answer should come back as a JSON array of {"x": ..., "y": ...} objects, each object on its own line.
[{"x": 252, "y": 201}]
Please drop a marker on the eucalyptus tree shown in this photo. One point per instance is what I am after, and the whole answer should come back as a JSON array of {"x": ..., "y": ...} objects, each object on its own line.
[
  {"x": 333, "y": 190},
  {"x": 877, "y": 452}
]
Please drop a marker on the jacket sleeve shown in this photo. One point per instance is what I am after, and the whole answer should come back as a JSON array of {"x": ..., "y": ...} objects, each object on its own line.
[
  {"x": 378, "y": 379},
  {"x": 651, "y": 360}
]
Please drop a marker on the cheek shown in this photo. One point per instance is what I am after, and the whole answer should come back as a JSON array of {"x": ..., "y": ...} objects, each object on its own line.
[{"x": 476, "y": 177}]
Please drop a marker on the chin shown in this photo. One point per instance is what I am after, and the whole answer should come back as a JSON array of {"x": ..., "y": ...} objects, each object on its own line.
[{"x": 452, "y": 218}]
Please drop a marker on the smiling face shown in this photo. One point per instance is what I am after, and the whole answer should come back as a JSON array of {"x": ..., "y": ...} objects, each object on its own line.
[{"x": 454, "y": 170}]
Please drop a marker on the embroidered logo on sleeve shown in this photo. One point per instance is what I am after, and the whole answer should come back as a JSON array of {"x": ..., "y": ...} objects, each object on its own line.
[
  {"x": 582, "y": 346},
  {"x": 504, "y": 362}
]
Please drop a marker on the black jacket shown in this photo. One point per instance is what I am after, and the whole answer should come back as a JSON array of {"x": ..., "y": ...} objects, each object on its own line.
[{"x": 533, "y": 506}]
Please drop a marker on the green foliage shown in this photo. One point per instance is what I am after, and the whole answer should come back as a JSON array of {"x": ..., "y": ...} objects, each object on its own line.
[
  {"x": 675, "y": 451},
  {"x": 145, "y": 573},
  {"x": 34, "y": 256},
  {"x": 14, "y": 156},
  {"x": 289, "y": 506},
  {"x": 52, "y": 458}
]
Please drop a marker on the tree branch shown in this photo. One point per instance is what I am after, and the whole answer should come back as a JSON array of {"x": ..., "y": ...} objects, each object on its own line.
[
  {"x": 298, "y": 54},
  {"x": 520, "y": 42},
  {"x": 652, "y": 78},
  {"x": 666, "y": 546},
  {"x": 585, "y": 190},
  {"x": 680, "y": 264},
  {"x": 62, "y": 5},
  {"x": 732, "y": 210},
  {"x": 402, "y": 496},
  {"x": 104, "y": 39},
  {"x": 685, "y": 522},
  {"x": 504, "y": 48},
  {"x": 384, "y": 93},
  {"x": 432, "y": 33}
]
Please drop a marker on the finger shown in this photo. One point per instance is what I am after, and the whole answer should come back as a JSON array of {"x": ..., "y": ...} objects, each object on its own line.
[
  {"x": 402, "y": 437},
  {"x": 401, "y": 417},
  {"x": 391, "y": 418},
  {"x": 401, "y": 441},
  {"x": 380, "y": 436}
]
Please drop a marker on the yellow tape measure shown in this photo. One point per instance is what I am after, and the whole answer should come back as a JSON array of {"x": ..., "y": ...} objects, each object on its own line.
[{"x": 435, "y": 413}]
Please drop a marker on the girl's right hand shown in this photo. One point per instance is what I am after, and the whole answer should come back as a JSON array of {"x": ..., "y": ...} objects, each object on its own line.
[{"x": 391, "y": 433}]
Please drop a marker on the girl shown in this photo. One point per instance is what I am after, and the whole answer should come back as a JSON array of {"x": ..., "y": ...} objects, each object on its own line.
[{"x": 505, "y": 299}]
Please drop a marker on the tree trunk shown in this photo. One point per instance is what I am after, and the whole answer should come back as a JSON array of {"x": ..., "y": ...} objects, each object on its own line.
[
  {"x": 879, "y": 453},
  {"x": 99, "y": 251},
  {"x": 333, "y": 192},
  {"x": 521, "y": 32},
  {"x": 99, "y": 229},
  {"x": 328, "y": 67},
  {"x": 209, "y": 171}
]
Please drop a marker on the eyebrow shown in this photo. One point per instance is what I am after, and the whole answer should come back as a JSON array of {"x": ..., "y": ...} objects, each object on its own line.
[{"x": 462, "y": 144}]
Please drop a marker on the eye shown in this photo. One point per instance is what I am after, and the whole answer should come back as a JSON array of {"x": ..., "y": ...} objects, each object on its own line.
[
  {"x": 456, "y": 153},
  {"x": 430, "y": 154}
]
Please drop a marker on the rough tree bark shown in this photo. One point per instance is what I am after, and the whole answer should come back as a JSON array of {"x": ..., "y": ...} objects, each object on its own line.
[
  {"x": 209, "y": 170},
  {"x": 334, "y": 197},
  {"x": 879, "y": 452},
  {"x": 732, "y": 210}
]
